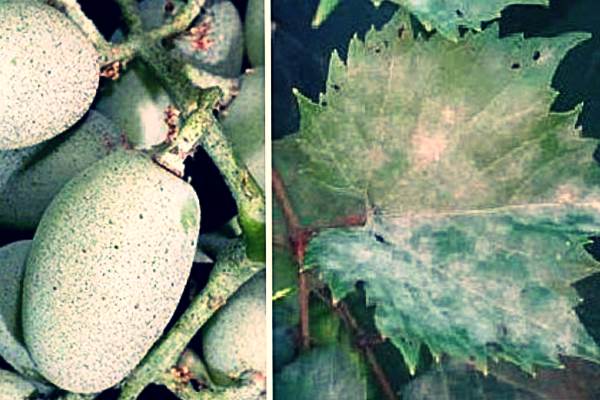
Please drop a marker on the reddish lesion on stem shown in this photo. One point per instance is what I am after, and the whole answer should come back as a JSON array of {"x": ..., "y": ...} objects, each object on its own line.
[{"x": 299, "y": 237}]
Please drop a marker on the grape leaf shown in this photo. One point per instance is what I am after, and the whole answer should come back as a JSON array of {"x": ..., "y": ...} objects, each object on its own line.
[
  {"x": 486, "y": 283},
  {"x": 458, "y": 381},
  {"x": 478, "y": 201},
  {"x": 445, "y": 16},
  {"x": 451, "y": 380}
]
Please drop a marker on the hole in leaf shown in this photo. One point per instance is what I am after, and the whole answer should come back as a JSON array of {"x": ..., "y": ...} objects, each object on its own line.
[
  {"x": 536, "y": 55},
  {"x": 380, "y": 239},
  {"x": 515, "y": 66},
  {"x": 401, "y": 31},
  {"x": 169, "y": 7},
  {"x": 459, "y": 13}
]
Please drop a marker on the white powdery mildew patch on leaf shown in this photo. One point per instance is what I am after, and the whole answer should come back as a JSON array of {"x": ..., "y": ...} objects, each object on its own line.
[
  {"x": 430, "y": 284},
  {"x": 410, "y": 125}
]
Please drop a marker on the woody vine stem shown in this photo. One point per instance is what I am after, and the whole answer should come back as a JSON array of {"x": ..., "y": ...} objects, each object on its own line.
[{"x": 235, "y": 263}]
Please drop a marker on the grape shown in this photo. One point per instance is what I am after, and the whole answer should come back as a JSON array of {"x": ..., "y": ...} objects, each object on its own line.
[
  {"x": 107, "y": 267},
  {"x": 48, "y": 73},
  {"x": 235, "y": 340},
  {"x": 254, "y": 32},
  {"x": 216, "y": 42},
  {"x": 244, "y": 123},
  {"x": 39, "y": 172}
]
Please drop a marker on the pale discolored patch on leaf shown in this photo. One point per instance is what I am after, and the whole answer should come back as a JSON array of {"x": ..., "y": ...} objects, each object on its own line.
[{"x": 476, "y": 284}]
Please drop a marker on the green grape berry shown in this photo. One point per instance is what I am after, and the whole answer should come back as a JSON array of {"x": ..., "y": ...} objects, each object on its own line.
[
  {"x": 235, "y": 340},
  {"x": 216, "y": 42},
  {"x": 244, "y": 123},
  {"x": 39, "y": 172},
  {"x": 12, "y": 268},
  {"x": 107, "y": 267},
  {"x": 254, "y": 32},
  {"x": 48, "y": 73},
  {"x": 137, "y": 104}
]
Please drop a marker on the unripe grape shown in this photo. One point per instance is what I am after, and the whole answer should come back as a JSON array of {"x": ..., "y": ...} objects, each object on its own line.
[
  {"x": 108, "y": 264},
  {"x": 48, "y": 73},
  {"x": 235, "y": 340}
]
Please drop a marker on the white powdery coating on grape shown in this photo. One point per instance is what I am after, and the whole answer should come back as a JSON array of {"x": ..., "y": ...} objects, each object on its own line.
[
  {"x": 235, "y": 340},
  {"x": 44, "y": 171},
  {"x": 137, "y": 104},
  {"x": 107, "y": 268},
  {"x": 12, "y": 267},
  {"x": 48, "y": 73},
  {"x": 12, "y": 160}
]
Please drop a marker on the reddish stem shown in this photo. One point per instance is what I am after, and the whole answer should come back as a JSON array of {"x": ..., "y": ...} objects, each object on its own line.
[
  {"x": 343, "y": 311},
  {"x": 298, "y": 239}
]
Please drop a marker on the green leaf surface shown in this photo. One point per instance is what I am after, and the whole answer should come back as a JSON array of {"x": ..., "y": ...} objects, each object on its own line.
[
  {"x": 450, "y": 380},
  {"x": 489, "y": 284},
  {"x": 446, "y": 16},
  {"x": 324, "y": 373},
  {"x": 478, "y": 201}
]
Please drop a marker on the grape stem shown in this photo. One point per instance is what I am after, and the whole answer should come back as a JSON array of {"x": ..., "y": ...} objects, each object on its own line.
[
  {"x": 231, "y": 270},
  {"x": 131, "y": 16},
  {"x": 73, "y": 10},
  {"x": 202, "y": 129},
  {"x": 139, "y": 39},
  {"x": 185, "y": 391}
]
